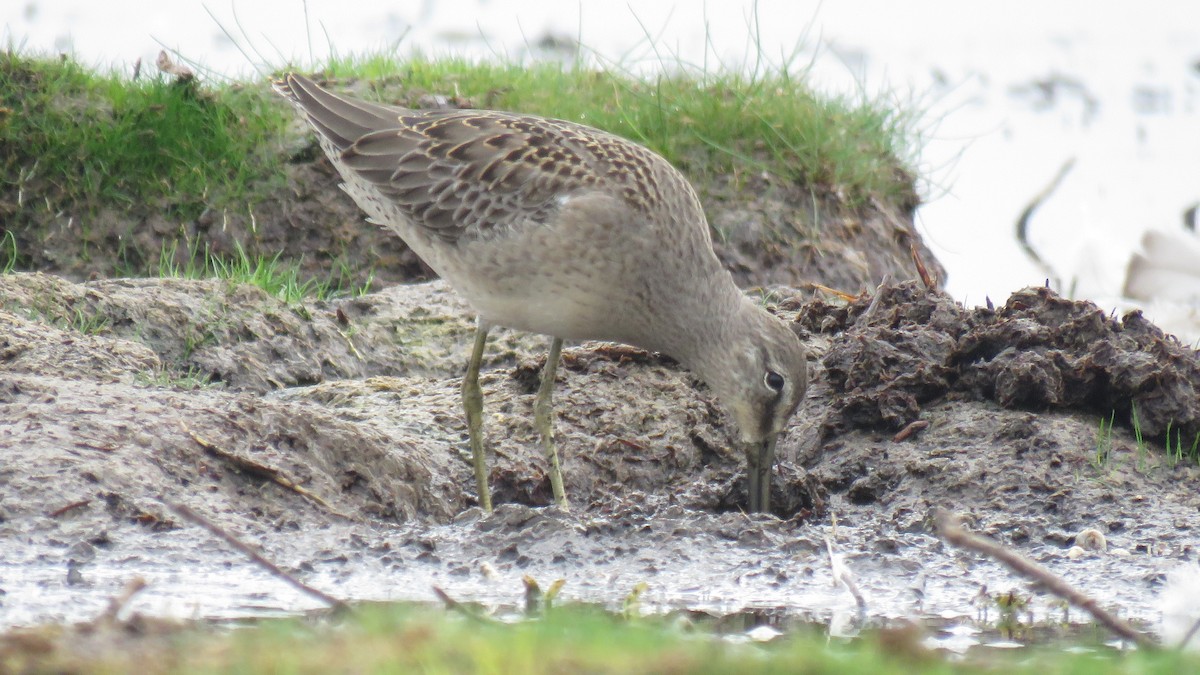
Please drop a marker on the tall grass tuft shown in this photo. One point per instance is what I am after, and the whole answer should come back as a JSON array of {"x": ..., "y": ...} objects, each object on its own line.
[
  {"x": 85, "y": 140},
  {"x": 706, "y": 123}
]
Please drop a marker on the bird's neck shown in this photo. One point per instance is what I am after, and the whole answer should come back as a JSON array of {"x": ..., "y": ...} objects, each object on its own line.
[{"x": 713, "y": 319}]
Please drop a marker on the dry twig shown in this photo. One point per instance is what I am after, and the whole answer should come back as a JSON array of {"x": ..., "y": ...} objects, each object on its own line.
[
  {"x": 841, "y": 295},
  {"x": 927, "y": 279},
  {"x": 456, "y": 606},
  {"x": 842, "y": 576},
  {"x": 119, "y": 601},
  {"x": 950, "y": 529},
  {"x": 1190, "y": 634},
  {"x": 253, "y": 468},
  {"x": 1023, "y": 224},
  {"x": 912, "y": 428},
  {"x": 195, "y": 518}
]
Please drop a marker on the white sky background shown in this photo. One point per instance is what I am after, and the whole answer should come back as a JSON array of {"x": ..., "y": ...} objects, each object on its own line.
[{"x": 1127, "y": 107}]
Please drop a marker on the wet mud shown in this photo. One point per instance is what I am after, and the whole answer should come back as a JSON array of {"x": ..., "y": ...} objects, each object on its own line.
[{"x": 330, "y": 435}]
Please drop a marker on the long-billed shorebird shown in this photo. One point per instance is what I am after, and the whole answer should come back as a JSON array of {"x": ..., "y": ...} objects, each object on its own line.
[{"x": 557, "y": 228}]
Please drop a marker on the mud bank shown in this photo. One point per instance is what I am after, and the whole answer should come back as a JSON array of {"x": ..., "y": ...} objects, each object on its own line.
[{"x": 356, "y": 402}]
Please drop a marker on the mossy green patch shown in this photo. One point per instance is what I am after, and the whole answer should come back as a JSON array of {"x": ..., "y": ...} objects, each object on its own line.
[
  {"x": 703, "y": 123},
  {"x": 78, "y": 140},
  {"x": 101, "y": 175}
]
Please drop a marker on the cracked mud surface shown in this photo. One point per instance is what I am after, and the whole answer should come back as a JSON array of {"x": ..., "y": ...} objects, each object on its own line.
[{"x": 356, "y": 401}]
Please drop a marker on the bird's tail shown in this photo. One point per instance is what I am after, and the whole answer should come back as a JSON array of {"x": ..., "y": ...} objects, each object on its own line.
[{"x": 341, "y": 121}]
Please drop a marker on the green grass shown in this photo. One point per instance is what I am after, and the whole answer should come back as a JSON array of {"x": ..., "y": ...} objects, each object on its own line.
[
  {"x": 75, "y": 139},
  {"x": 277, "y": 277},
  {"x": 8, "y": 252},
  {"x": 67, "y": 317},
  {"x": 704, "y": 123},
  {"x": 1178, "y": 448},
  {"x": 404, "y": 639},
  {"x": 87, "y": 323},
  {"x": 189, "y": 379},
  {"x": 1139, "y": 442},
  {"x": 93, "y": 164},
  {"x": 1176, "y": 452}
]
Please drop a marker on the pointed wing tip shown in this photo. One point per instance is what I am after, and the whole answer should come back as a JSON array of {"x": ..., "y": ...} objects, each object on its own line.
[{"x": 290, "y": 85}]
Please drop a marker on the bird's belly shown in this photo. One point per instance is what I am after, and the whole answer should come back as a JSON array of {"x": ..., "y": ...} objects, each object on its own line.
[
  {"x": 541, "y": 280},
  {"x": 513, "y": 283},
  {"x": 559, "y": 312}
]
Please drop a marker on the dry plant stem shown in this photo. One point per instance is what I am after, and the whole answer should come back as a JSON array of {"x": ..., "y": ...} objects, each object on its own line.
[
  {"x": 841, "y": 295},
  {"x": 912, "y": 428},
  {"x": 197, "y": 519},
  {"x": 260, "y": 470},
  {"x": 1190, "y": 634},
  {"x": 456, "y": 606},
  {"x": 871, "y": 308},
  {"x": 844, "y": 577},
  {"x": 69, "y": 507},
  {"x": 951, "y": 530},
  {"x": 928, "y": 279},
  {"x": 118, "y": 602},
  {"x": 1023, "y": 224}
]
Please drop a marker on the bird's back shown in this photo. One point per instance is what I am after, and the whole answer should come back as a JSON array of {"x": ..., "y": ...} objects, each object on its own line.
[
  {"x": 471, "y": 173},
  {"x": 524, "y": 215}
]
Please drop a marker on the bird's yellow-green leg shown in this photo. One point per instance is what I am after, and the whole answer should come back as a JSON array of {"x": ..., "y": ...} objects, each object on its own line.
[
  {"x": 472, "y": 396},
  {"x": 543, "y": 419}
]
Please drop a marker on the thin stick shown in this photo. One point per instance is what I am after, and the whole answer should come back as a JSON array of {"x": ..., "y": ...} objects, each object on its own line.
[
  {"x": 1023, "y": 223},
  {"x": 257, "y": 469},
  {"x": 883, "y": 284},
  {"x": 1190, "y": 634},
  {"x": 912, "y": 428},
  {"x": 844, "y": 577},
  {"x": 191, "y": 516},
  {"x": 119, "y": 601},
  {"x": 928, "y": 279},
  {"x": 950, "y": 529},
  {"x": 456, "y": 606}
]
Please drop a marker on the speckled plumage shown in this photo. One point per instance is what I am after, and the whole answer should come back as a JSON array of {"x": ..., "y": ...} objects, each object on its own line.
[{"x": 553, "y": 227}]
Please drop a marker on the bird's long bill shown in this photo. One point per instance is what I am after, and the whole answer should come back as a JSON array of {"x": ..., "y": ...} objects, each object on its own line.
[{"x": 760, "y": 457}]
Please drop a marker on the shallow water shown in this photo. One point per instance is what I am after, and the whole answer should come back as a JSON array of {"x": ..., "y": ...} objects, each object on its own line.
[{"x": 690, "y": 562}]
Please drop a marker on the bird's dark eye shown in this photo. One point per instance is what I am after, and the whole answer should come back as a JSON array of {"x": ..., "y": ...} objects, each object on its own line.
[{"x": 774, "y": 381}]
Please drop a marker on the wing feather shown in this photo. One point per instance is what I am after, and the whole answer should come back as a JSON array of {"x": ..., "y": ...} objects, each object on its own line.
[{"x": 470, "y": 173}]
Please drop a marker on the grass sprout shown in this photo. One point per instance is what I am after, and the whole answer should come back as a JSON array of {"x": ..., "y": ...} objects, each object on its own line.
[
  {"x": 277, "y": 277},
  {"x": 1104, "y": 443},
  {"x": 8, "y": 252}
]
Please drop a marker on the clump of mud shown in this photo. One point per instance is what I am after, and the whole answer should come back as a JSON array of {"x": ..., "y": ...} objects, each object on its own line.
[
  {"x": 906, "y": 347},
  {"x": 1000, "y": 414}
]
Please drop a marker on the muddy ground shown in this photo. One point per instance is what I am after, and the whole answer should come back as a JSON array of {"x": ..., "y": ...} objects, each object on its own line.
[
  {"x": 356, "y": 401},
  {"x": 330, "y": 433}
]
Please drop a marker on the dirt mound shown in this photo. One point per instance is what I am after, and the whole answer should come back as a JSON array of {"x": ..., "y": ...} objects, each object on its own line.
[
  {"x": 387, "y": 365},
  {"x": 905, "y": 347},
  {"x": 1009, "y": 407},
  {"x": 627, "y": 420},
  {"x": 317, "y": 428},
  {"x": 766, "y": 229}
]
